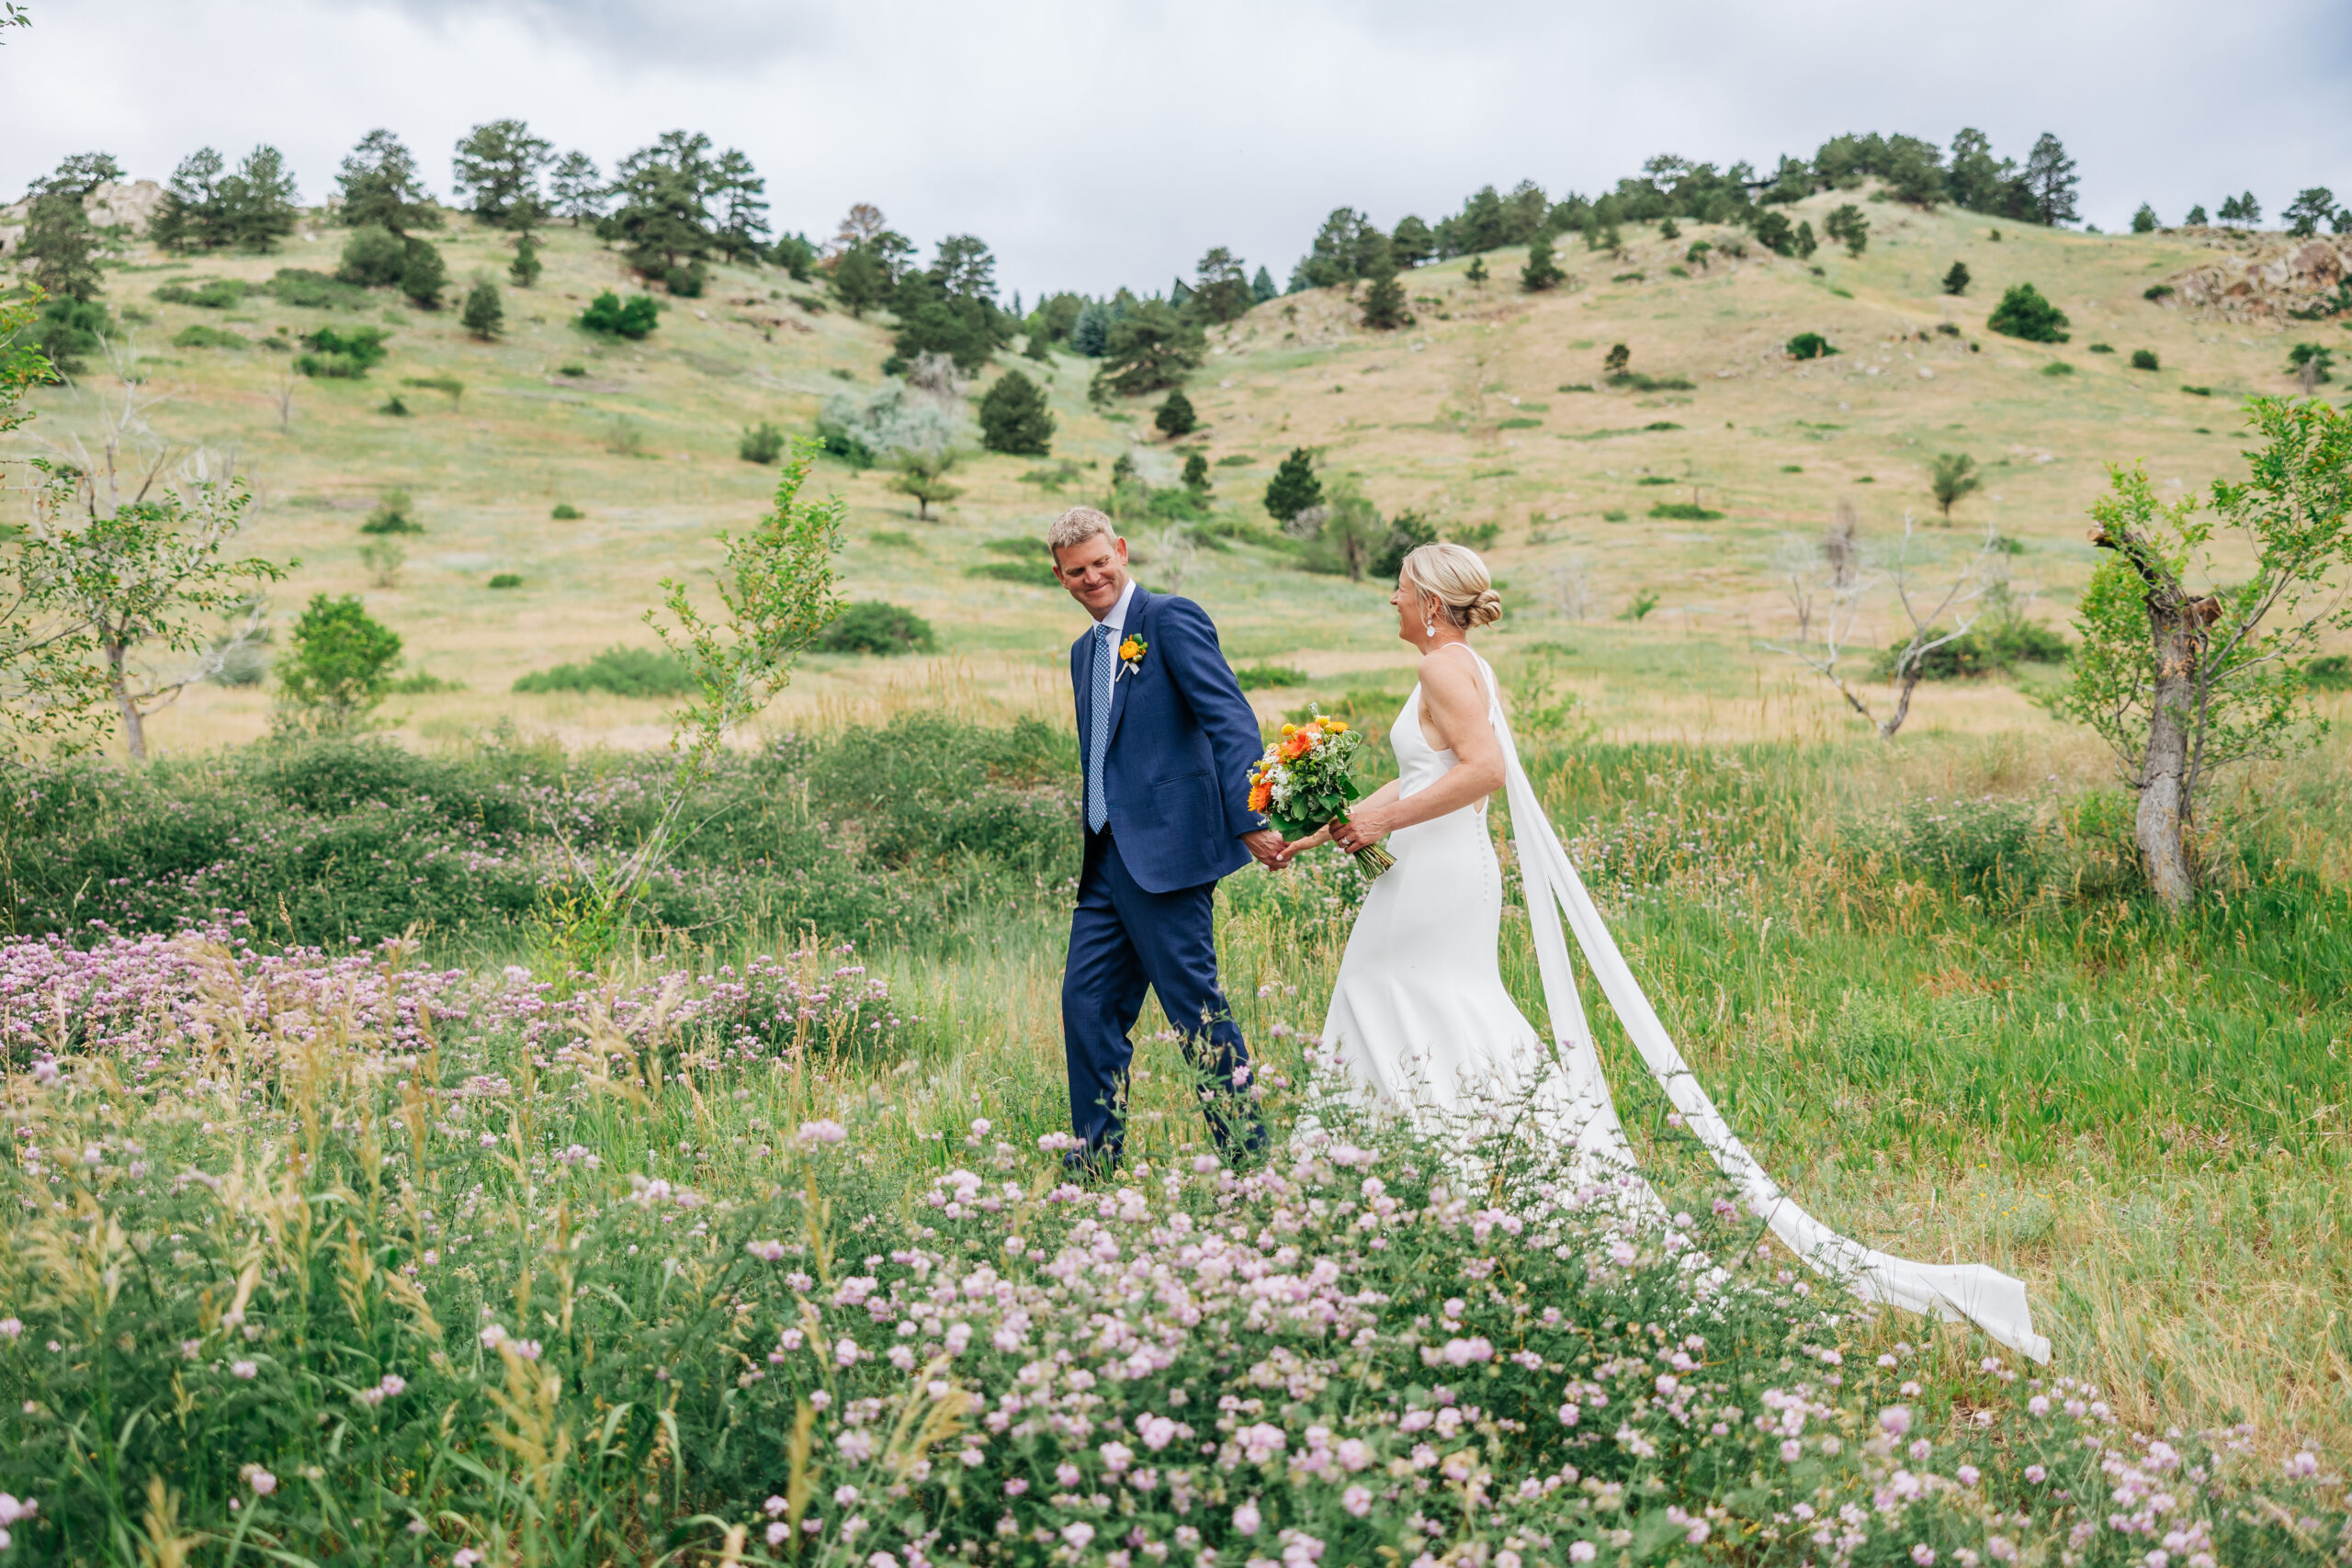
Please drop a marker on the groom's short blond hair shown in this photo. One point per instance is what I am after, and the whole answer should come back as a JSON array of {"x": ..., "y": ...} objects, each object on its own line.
[{"x": 1076, "y": 526}]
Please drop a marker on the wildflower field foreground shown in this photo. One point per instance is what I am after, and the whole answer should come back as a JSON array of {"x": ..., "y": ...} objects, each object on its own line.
[{"x": 429, "y": 1251}]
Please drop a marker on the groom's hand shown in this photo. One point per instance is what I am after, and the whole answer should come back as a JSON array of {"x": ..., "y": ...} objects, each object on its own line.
[{"x": 1267, "y": 845}]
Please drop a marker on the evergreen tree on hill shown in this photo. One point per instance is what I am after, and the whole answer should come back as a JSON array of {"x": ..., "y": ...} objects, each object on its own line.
[
  {"x": 1542, "y": 272},
  {"x": 1262, "y": 287},
  {"x": 860, "y": 280},
  {"x": 575, "y": 188},
  {"x": 2050, "y": 176},
  {"x": 496, "y": 169},
  {"x": 484, "y": 315},
  {"x": 1412, "y": 243},
  {"x": 1956, "y": 280},
  {"x": 81, "y": 174},
  {"x": 1384, "y": 301},
  {"x": 1336, "y": 255},
  {"x": 741, "y": 193},
  {"x": 1294, "y": 488},
  {"x": 1014, "y": 418},
  {"x": 2308, "y": 210},
  {"x": 1849, "y": 227},
  {"x": 423, "y": 274},
  {"x": 2024, "y": 313},
  {"x": 1149, "y": 349},
  {"x": 258, "y": 200},
  {"x": 380, "y": 185},
  {"x": 1221, "y": 292},
  {"x": 2196, "y": 219},
  {"x": 2144, "y": 220},
  {"x": 1524, "y": 211},
  {"x": 1175, "y": 417},
  {"x": 662, "y": 221},
  {"x": 525, "y": 268},
  {"x": 60, "y": 247},
  {"x": 1774, "y": 232},
  {"x": 193, "y": 215}
]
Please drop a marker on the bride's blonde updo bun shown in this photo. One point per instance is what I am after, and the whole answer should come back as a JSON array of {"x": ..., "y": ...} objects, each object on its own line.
[{"x": 1455, "y": 577}]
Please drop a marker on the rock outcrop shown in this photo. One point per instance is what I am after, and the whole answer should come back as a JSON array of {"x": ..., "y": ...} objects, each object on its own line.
[
  {"x": 2279, "y": 276},
  {"x": 132, "y": 204}
]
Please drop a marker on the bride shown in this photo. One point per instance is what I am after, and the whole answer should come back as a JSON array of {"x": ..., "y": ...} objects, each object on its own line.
[{"x": 1420, "y": 1022}]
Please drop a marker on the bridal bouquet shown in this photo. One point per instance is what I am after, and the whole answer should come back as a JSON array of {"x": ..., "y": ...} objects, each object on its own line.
[{"x": 1304, "y": 782}]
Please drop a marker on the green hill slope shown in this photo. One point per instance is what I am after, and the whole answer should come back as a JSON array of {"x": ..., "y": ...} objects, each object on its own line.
[{"x": 1483, "y": 414}]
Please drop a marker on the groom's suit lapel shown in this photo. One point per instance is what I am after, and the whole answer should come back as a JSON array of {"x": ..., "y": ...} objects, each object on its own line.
[{"x": 1121, "y": 678}]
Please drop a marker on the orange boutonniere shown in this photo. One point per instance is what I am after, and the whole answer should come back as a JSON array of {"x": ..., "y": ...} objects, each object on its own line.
[{"x": 1131, "y": 653}]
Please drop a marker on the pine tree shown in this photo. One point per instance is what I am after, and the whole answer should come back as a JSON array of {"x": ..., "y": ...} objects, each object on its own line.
[
  {"x": 258, "y": 200},
  {"x": 1175, "y": 418},
  {"x": 498, "y": 166},
  {"x": 2144, "y": 220},
  {"x": 1148, "y": 349},
  {"x": 1617, "y": 361},
  {"x": 1263, "y": 287},
  {"x": 1956, "y": 280},
  {"x": 1412, "y": 243},
  {"x": 1541, "y": 272},
  {"x": 743, "y": 209},
  {"x": 2308, "y": 210},
  {"x": 190, "y": 216},
  {"x": 2024, "y": 313},
  {"x": 2050, "y": 178},
  {"x": 1221, "y": 292},
  {"x": 2196, "y": 218},
  {"x": 60, "y": 247},
  {"x": 1196, "y": 473},
  {"x": 859, "y": 279},
  {"x": 1806, "y": 243},
  {"x": 380, "y": 185},
  {"x": 423, "y": 274},
  {"x": 525, "y": 268},
  {"x": 1849, "y": 228},
  {"x": 1014, "y": 418},
  {"x": 663, "y": 220},
  {"x": 574, "y": 187},
  {"x": 1384, "y": 301},
  {"x": 484, "y": 315},
  {"x": 1294, "y": 488},
  {"x": 1475, "y": 273}
]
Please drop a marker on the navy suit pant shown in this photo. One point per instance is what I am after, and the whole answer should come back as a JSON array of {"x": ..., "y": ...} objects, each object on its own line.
[{"x": 1123, "y": 938}]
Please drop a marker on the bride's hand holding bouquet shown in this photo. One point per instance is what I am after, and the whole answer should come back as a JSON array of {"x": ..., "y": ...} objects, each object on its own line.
[{"x": 1303, "y": 784}]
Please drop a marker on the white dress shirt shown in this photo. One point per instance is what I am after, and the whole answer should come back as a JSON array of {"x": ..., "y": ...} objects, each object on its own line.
[{"x": 1117, "y": 617}]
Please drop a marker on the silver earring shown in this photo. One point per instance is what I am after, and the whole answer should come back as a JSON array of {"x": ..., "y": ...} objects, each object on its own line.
[{"x": 1429, "y": 628}]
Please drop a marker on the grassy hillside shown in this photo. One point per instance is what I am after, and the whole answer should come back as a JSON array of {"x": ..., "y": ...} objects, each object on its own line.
[{"x": 1461, "y": 415}]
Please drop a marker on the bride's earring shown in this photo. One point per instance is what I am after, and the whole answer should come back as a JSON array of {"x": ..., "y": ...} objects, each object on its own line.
[{"x": 1428, "y": 624}]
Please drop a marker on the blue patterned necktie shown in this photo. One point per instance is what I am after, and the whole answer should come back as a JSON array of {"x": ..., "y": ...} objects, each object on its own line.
[{"x": 1098, "y": 804}]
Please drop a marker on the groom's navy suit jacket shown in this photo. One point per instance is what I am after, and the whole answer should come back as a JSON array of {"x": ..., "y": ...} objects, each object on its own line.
[{"x": 1182, "y": 738}]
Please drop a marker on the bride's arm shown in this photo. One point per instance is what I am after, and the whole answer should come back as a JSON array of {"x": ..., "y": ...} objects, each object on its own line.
[
  {"x": 1384, "y": 795},
  {"x": 1455, "y": 699}
]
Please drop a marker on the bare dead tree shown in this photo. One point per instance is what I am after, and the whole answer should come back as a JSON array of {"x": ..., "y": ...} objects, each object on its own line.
[
  {"x": 285, "y": 399},
  {"x": 1938, "y": 613}
]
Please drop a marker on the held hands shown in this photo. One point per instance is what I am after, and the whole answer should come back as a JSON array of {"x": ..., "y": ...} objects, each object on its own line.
[{"x": 1268, "y": 846}]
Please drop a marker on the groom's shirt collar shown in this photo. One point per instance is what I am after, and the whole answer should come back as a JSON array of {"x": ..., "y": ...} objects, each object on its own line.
[{"x": 1117, "y": 619}]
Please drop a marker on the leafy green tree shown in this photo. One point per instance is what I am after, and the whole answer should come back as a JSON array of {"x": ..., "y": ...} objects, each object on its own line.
[
  {"x": 338, "y": 667},
  {"x": 2187, "y": 664},
  {"x": 742, "y": 195},
  {"x": 575, "y": 188},
  {"x": 525, "y": 268},
  {"x": 2310, "y": 208},
  {"x": 1541, "y": 272},
  {"x": 1149, "y": 349},
  {"x": 1774, "y": 232},
  {"x": 1475, "y": 273},
  {"x": 257, "y": 201},
  {"x": 1849, "y": 226},
  {"x": 1383, "y": 299},
  {"x": 82, "y": 173},
  {"x": 344, "y": 357},
  {"x": 1337, "y": 254},
  {"x": 923, "y": 476},
  {"x": 1618, "y": 361},
  {"x": 122, "y": 579},
  {"x": 1806, "y": 242},
  {"x": 496, "y": 171},
  {"x": 485, "y": 314},
  {"x": 2310, "y": 364},
  {"x": 2050, "y": 180},
  {"x": 1014, "y": 417},
  {"x": 1976, "y": 180},
  {"x": 1294, "y": 488},
  {"x": 2143, "y": 221},
  {"x": 59, "y": 248},
  {"x": 1809, "y": 346},
  {"x": 1407, "y": 532},
  {"x": 1262, "y": 287},
  {"x": 1956, "y": 279},
  {"x": 2024, "y": 313},
  {"x": 606, "y": 314},
  {"x": 763, "y": 443},
  {"x": 1196, "y": 473},
  {"x": 1174, "y": 418},
  {"x": 2196, "y": 219},
  {"x": 423, "y": 274},
  {"x": 1950, "y": 480},
  {"x": 373, "y": 257},
  {"x": 380, "y": 185},
  {"x": 1412, "y": 243},
  {"x": 795, "y": 256},
  {"x": 860, "y": 279}
]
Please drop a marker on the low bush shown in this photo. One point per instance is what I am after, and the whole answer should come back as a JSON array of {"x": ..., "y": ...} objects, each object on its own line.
[
  {"x": 2025, "y": 314},
  {"x": 341, "y": 356},
  {"x": 1809, "y": 346},
  {"x": 1685, "y": 511},
  {"x": 566, "y": 512},
  {"x": 873, "y": 626},
  {"x": 308, "y": 290},
  {"x": 607, "y": 314},
  {"x": 1256, "y": 677},
  {"x": 211, "y": 294},
  {"x": 506, "y": 580},
  {"x": 198, "y": 335},
  {"x": 762, "y": 443},
  {"x": 623, "y": 671},
  {"x": 2101, "y": 347},
  {"x": 2331, "y": 672},
  {"x": 391, "y": 515},
  {"x": 2144, "y": 359}
]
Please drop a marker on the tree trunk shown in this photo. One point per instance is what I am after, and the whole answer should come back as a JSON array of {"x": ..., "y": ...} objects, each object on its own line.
[
  {"x": 134, "y": 729},
  {"x": 2166, "y": 810}
]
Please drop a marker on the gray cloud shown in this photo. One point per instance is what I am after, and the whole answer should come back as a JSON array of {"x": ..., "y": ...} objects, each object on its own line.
[{"x": 1096, "y": 143}]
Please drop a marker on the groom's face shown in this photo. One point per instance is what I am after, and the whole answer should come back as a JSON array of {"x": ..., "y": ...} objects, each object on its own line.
[{"x": 1096, "y": 572}]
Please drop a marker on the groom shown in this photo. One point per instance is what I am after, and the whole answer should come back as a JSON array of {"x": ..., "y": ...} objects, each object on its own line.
[{"x": 1166, "y": 739}]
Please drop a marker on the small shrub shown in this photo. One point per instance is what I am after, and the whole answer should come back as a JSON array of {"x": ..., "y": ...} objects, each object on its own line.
[
  {"x": 2057, "y": 367},
  {"x": 1258, "y": 677},
  {"x": 763, "y": 443},
  {"x": 1685, "y": 511},
  {"x": 1236, "y": 460},
  {"x": 1810, "y": 346},
  {"x": 1615, "y": 514},
  {"x": 607, "y": 314},
  {"x": 199, "y": 335},
  {"x": 574, "y": 371},
  {"x": 341, "y": 356},
  {"x": 374, "y": 257},
  {"x": 1520, "y": 422},
  {"x": 2023, "y": 313},
  {"x": 1793, "y": 468},
  {"x": 307, "y": 290},
  {"x": 566, "y": 512},
  {"x": 2330, "y": 672},
  {"x": 449, "y": 385},
  {"x": 1956, "y": 280},
  {"x": 1480, "y": 536},
  {"x": 1174, "y": 417},
  {"x": 485, "y": 312},
  {"x": 391, "y": 515},
  {"x": 2157, "y": 291},
  {"x": 685, "y": 282},
  {"x": 212, "y": 294},
  {"x": 1661, "y": 425},
  {"x": 2144, "y": 359},
  {"x": 2102, "y": 348},
  {"x": 2198, "y": 392},
  {"x": 1655, "y": 479},
  {"x": 873, "y": 626},
  {"x": 421, "y": 684},
  {"x": 395, "y": 407},
  {"x": 506, "y": 580},
  {"x": 622, "y": 672},
  {"x": 1639, "y": 608}
]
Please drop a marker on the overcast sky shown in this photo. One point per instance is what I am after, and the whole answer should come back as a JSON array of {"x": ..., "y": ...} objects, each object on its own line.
[{"x": 1093, "y": 143}]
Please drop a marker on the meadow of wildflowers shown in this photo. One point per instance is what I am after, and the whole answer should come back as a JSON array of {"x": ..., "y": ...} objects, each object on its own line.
[{"x": 395, "y": 1250}]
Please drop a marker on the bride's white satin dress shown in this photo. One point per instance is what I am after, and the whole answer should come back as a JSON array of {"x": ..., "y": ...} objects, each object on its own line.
[{"x": 1421, "y": 1024}]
